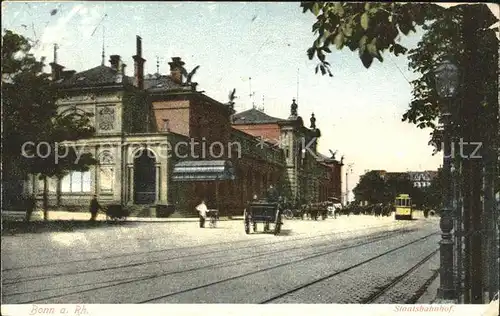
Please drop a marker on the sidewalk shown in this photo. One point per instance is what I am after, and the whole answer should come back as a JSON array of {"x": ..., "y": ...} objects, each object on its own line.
[{"x": 81, "y": 216}]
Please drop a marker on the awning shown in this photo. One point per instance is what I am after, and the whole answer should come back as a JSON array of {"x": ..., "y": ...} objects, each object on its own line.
[
  {"x": 203, "y": 170},
  {"x": 334, "y": 199}
]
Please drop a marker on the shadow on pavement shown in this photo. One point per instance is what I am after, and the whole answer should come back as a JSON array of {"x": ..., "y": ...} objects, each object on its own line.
[
  {"x": 20, "y": 227},
  {"x": 283, "y": 232}
]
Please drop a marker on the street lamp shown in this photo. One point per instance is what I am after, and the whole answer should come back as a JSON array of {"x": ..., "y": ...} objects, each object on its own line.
[{"x": 447, "y": 82}]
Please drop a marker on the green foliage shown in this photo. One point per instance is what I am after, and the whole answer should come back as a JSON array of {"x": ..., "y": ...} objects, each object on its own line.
[
  {"x": 375, "y": 189},
  {"x": 441, "y": 39},
  {"x": 374, "y": 28},
  {"x": 370, "y": 28},
  {"x": 30, "y": 115},
  {"x": 371, "y": 188}
]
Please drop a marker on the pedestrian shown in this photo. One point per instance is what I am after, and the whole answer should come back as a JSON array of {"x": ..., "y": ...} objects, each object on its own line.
[
  {"x": 202, "y": 210},
  {"x": 30, "y": 206},
  {"x": 94, "y": 208},
  {"x": 272, "y": 194}
]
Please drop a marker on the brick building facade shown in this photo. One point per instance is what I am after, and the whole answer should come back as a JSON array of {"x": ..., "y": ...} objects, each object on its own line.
[{"x": 159, "y": 141}]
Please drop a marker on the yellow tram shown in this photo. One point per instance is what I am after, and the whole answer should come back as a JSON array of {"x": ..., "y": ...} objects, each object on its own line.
[{"x": 403, "y": 207}]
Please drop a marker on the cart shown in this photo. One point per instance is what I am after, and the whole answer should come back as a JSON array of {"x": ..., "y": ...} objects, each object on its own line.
[
  {"x": 262, "y": 212},
  {"x": 213, "y": 217},
  {"x": 116, "y": 212}
]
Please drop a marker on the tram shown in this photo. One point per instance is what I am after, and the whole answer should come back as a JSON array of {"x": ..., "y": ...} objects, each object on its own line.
[{"x": 403, "y": 207}]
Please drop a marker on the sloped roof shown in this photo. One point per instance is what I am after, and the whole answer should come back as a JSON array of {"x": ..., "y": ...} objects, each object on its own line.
[
  {"x": 97, "y": 76},
  {"x": 253, "y": 116},
  {"x": 162, "y": 83}
]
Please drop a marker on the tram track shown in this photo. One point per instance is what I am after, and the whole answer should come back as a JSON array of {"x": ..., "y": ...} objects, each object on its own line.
[
  {"x": 331, "y": 275},
  {"x": 177, "y": 249},
  {"x": 287, "y": 264},
  {"x": 416, "y": 296},
  {"x": 196, "y": 256},
  {"x": 385, "y": 288},
  {"x": 366, "y": 241}
]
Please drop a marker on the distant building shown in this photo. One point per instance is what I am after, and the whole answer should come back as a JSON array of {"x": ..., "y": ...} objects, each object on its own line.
[
  {"x": 422, "y": 179},
  {"x": 419, "y": 179}
]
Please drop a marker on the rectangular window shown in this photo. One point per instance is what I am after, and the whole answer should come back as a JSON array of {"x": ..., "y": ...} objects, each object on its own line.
[
  {"x": 76, "y": 182},
  {"x": 66, "y": 184}
]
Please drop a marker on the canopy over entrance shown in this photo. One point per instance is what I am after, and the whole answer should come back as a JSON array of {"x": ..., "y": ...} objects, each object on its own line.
[
  {"x": 334, "y": 199},
  {"x": 203, "y": 170}
]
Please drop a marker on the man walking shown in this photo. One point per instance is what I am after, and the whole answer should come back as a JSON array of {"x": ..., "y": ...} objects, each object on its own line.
[
  {"x": 202, "y": 210},
  {"x": 94, "y": 208},
  {"x": 30, "y": 206}
]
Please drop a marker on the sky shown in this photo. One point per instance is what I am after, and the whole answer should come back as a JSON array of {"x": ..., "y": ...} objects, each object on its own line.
[{"x": 358, "y": 111}]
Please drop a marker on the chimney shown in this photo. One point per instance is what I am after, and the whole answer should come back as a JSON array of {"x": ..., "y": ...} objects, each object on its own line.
[
  {"x": 68, "y": 74},
  {"x": 57, "y": 71},
  {"x": 139, "y": 64},
  {"x": 176, "y": 69},
  {"x": 123, "y": 69},
  {"x": 115, "y": 62}
]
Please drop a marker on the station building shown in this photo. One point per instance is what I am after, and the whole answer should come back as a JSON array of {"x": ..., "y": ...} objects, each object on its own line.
[{"x": 161, "y": 142}]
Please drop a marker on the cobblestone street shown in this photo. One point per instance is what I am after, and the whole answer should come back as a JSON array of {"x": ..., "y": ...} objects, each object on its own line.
[{"x": 357, "y": 259}]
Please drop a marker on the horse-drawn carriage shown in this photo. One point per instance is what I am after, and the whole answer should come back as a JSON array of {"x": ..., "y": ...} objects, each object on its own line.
[
  {"x": 116, "y": 212},
  {"x": 263, "y": 211}
]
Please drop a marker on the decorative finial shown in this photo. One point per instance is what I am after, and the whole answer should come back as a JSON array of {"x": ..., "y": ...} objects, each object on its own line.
[
  {"x": 293, "y": 108},
  {"x": 313, "y": 121}
]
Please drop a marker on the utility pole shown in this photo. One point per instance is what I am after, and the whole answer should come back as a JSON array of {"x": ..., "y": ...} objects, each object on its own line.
[{"x": 347, "y": 170}]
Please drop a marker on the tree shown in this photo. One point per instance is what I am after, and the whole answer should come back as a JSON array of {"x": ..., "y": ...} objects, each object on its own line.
[
  {"x": 434, "y": 192},
  {"x": 371, "y": 188},
  {"x": 31, "y": 115},
  {"x": 374, "y": 28},
  {"x": 370, "y": 28},
  {"x": 461, "y": 31},
  {"x": 400, "y": 184}
]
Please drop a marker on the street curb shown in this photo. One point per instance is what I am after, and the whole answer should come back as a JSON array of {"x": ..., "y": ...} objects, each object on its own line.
[{"x": 19, "y": 216}]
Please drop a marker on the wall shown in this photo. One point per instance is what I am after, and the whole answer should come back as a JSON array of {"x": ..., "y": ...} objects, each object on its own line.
[
  {"x": 176, "y": 111},
  {"x": 267, "y": 131}
]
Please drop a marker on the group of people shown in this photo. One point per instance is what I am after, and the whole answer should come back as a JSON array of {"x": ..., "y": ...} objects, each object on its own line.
[{"x": 379, "y": 209}]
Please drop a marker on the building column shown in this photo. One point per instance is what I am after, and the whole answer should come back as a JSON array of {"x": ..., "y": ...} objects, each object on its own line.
[
  {"x": 157, "y": 182},
  {"x": 130, "y": 169}
]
